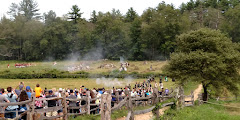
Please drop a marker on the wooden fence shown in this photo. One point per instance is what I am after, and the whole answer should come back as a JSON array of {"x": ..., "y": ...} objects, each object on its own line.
[{"x": 105, "y": 108}]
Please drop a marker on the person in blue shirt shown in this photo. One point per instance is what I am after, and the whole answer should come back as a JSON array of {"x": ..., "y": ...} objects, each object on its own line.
[
  {"x": 29, "y": 93},
  {"x": 166, "y": 92}
]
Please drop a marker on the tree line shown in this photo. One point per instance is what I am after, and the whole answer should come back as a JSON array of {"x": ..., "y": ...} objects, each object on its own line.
[{"x": 28, "y": 35}]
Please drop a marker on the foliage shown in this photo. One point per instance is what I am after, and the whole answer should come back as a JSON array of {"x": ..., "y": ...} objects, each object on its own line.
[
  {"x": 206, "y": 56},
  {"x": 150, "y": 36}
]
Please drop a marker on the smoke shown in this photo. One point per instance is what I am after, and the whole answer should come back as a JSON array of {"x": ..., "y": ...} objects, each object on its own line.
[
  {"x": 49, "y": 59},
  {"x": 94, "y": 54},
  {"x": 121, "y": 60},
  {"x": 111, "y": 82},
  {"x": 73, "y": 57}
]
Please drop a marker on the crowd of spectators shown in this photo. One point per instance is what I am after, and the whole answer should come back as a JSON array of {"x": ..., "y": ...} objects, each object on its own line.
[{"x": 23, "y": 93}]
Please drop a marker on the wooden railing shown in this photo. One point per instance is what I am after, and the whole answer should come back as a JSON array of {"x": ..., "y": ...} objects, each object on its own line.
[{"x": 105, "y": 107}]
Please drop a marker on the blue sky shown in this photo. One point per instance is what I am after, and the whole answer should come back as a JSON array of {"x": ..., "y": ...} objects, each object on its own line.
[{"x": 62, "y": 7}]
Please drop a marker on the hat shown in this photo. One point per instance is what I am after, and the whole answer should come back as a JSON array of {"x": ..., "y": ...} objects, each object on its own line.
[
  {"x": 28, "y": 88},
  {"x": 50, "y": 91},
  {"x": 60, "y": 89}
]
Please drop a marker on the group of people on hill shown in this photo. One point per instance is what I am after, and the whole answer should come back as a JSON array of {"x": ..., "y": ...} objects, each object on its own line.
[{"x": 23, "y": 93}]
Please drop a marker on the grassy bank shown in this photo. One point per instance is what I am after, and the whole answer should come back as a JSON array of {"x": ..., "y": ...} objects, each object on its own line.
[{"x": 204, "y": 112}]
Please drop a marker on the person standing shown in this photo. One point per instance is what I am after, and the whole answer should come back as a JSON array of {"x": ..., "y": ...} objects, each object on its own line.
[
  {"x": 73, "y": 103},
  {"x": 166, "y": 79},
  {"x": 29, "y": 92},
  {"x": 51, "y": 103},
  {"x": 23, "y": 97},
  {"x": 12, "y": 97},
  {"x": 2, "y": 99},
  {"x": 38, "y": 91}
]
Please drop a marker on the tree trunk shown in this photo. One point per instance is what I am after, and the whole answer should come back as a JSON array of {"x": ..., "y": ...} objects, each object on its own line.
[{"x": 205, "y": 95}]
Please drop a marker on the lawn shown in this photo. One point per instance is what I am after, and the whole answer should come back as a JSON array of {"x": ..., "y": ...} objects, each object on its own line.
[
  {"x": 76, "y": 82},
  {"x": 135, "y": 66},
  {"x": 205, "y": 112}
]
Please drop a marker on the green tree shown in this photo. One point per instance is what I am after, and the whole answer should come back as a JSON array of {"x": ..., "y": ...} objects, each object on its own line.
[
  {"x": 206, "y": 56},
  {"x": 131, "y": 15},
  {"x": 75, "y": 13},
  {"x": 159, "y": 35},
  {"x": 93, "y": 18},
  {"x": 29, "y": 9},
  {"x": 231, "y": 24},
  {"x": 49, "y": 17},
  {"x": 136, "y": 40},
  {"x": 111, "y": 34}
]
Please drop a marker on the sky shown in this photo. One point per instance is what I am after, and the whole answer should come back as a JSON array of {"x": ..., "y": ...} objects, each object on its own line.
[{"x": 62, "y": 7}]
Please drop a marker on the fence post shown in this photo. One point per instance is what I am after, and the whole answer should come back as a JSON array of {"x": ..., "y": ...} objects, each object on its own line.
[
  {"x": 88, "y": 102},
  {"x": 106, "y": 106},
  {"x": 117, "y": 98},
  {"x": 181, "y": 99},
  {"x": 64, "y": 101},
  {"x": 129, "y": 104},
  {"x": 192, "y": 97},
  {"x": 32, "y": 116},
  {"x": 155, "y": 101}
]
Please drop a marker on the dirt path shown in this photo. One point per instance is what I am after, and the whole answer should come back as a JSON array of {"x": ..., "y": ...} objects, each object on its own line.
[
  {"x": 196, "y": 92},
  {"x": 149, "y": 115}
]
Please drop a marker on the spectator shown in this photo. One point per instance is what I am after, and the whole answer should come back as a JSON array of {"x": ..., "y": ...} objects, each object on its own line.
[
  {"x": 51, "y": 103},
  {"x": 20, "y": 86},
  {"x": 73, "y": 103},
  {"x": 12, "y": 97},
  {"x": 38, "y": 91},
  {"x": 166, "y": 92},
  {"x": 2, "y": 99},
  {"x": 60, "y": 112},
  {"x": 23, "y": 97},
  {"x": 29, "y": 92}
]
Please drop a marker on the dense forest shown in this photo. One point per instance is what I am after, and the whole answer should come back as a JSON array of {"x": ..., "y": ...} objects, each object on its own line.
[{"x": 28, "y": 35}]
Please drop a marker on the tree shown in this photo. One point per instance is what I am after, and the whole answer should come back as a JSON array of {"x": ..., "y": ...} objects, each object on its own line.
[
  {"x": 93, "y": 18},
  {"x": 131, "y": 15},
  {"x": 49, "y": 17},
  {"x": 29, "y": 9},
  {"x": 136, "y": 41},
  {"x": 14, "y": 10},
  {"x": 75, "y": 13},
  {"x": 206, "y": 56},
  {"x": 231, "y": 24}
]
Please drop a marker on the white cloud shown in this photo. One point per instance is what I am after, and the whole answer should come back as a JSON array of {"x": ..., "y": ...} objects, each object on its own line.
[{"x": 87, "y": 6}]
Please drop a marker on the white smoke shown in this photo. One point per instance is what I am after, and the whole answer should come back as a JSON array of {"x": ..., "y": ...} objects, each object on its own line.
[
  {"x": 111, "y": 82},
  {"x": 122, "y": 60}
]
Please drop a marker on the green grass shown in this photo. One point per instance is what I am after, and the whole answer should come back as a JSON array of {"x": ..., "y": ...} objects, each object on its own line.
[
  {"x": 135, "y": 66},
  {"x": 70, "y": 83},
  {"x": 190, "y": 86},
  {"x": 203, "y": 112}
]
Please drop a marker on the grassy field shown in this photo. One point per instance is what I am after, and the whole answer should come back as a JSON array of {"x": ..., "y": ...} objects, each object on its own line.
[
  {"x": 75, "y": 83},
  {"x": 135, "y": 66},
  {"x": 205, "y": 112}
]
